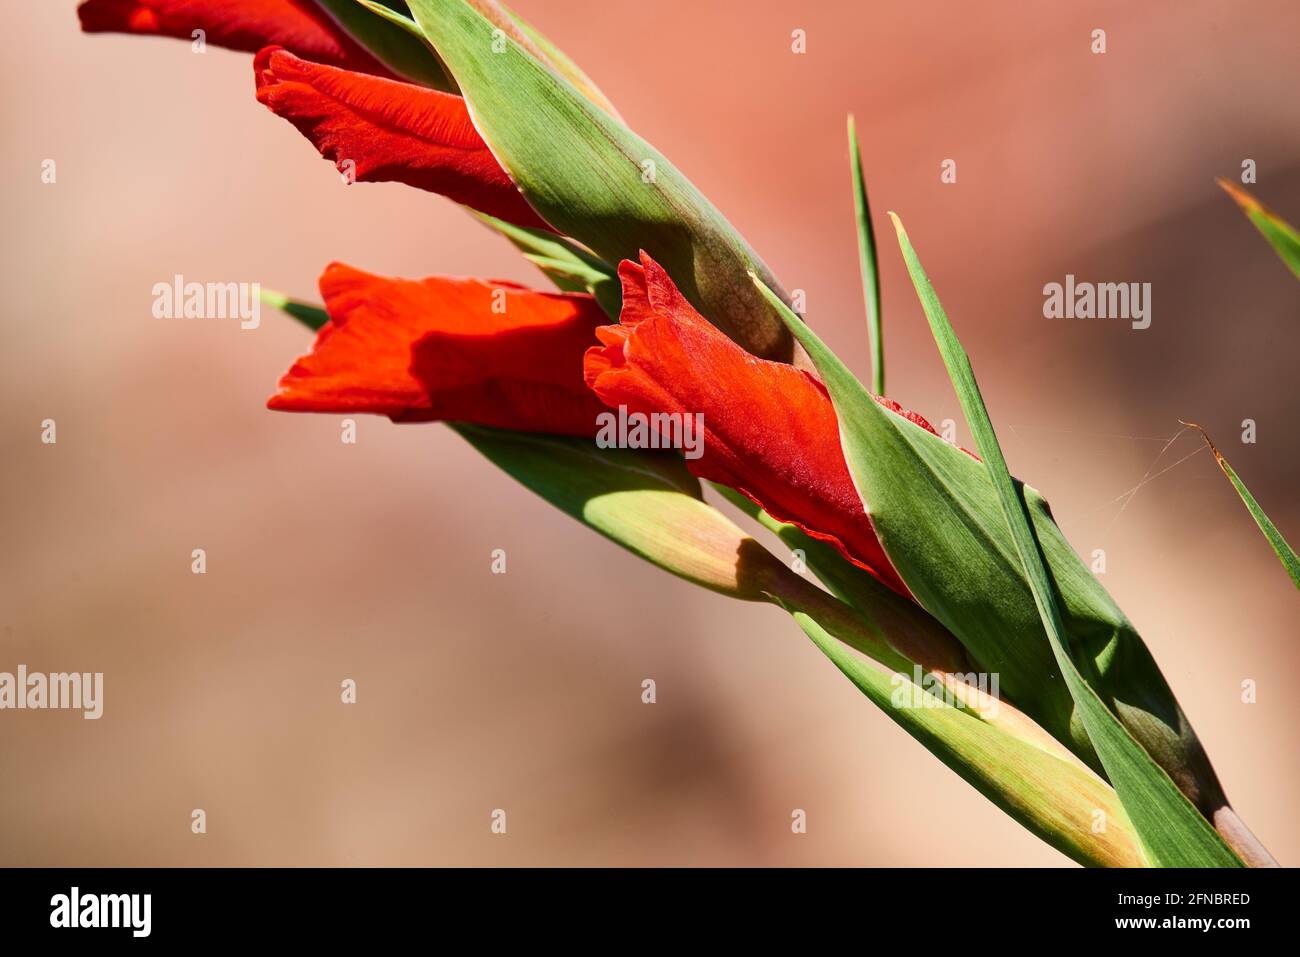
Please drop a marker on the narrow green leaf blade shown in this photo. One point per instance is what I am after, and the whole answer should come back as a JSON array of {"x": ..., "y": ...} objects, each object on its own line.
[
  {"x": 1280, "y": 234},
  {"x": 595, "y": 180},
  {"x": 568, "y": 265},
  {"x": 385, "y": 34},
  {"x": 1173, "y": 831},
  {"x": 576, "y": 277},
  {"x": 867, "y": 256},
  {"x": 1050, "y": 794},
  {"x": 940, "y": 521},
  {"x": 646, "y": 503},
  {"x": 650, "y": 504},
  {"x": 1281, "y": 547},
  {"x": 905, "y": 625},
  {"x": 311, "y": 316}
]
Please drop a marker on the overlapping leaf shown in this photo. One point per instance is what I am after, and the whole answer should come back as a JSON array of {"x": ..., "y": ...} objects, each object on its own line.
[
  {"x": 941, "y": 521},
  {"x": 1173, "y": 831},
  {"x": 381, "y": 33},
  {"x": 1050, "y": 793},
  {"x": 568, "y": 265},
  {"x": 642, "y": 502},
  {"x": 649, "y": 503},
  {"x": 595, "y": 180}
]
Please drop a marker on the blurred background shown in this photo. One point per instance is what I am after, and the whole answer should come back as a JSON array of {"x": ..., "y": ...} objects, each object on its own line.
[{"x": 522, "y": 692}]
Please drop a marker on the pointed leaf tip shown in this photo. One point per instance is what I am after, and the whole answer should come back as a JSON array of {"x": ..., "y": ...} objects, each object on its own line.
[
  {"x": 1280, "y": 234},
  {"x": 867, "y": 261},
  {"x": 1281, "y": 547},
  {"x": 1170, "y": 827}
]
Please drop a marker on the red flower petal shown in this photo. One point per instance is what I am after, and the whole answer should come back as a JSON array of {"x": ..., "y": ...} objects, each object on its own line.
[
  {"x": 769, "y": 428},
  {"x": 392, "y": 131},
  {"x": 248, "y": 25},
  {"x": 436, "y": 349}
]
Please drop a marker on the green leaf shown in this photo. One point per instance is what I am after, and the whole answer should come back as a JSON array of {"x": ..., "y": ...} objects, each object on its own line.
[
  {"x": 906, "y": 626},
  {"x": 1173, "y": 831},
  {"x": 593, "y": 179},
  {"x": 311, "y": 316},
  {"x": 1285, "y": 553},
  {"x": 513, "y": 26},
  {"x": 563, "y": 65},
  {"x": 1047, "y": 791},
  {"x": 987, "y": 763},
  {"x": 384, "y": 33},
  {"x": 1280, "y": 234},
  {"x": 867, "y": 255},
  {"x": 940, "y": 519},
  {"x": 568, "y": 265},
  {"x": 649, "y": 504}
]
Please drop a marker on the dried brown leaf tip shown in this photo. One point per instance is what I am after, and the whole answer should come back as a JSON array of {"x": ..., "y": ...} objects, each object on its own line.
[
  {"x": 1242, "y": 199},
  {"x": 1218, "y": 456}
]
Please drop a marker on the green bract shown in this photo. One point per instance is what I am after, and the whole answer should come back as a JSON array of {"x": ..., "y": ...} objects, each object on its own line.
[
  {"x": 943, "y": 520},
  {"x": 380, "y": 29},
  {"x": 592, "y": 178}
]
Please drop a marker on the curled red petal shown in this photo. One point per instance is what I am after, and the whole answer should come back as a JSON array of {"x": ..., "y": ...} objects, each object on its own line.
[
  {"x": 769, "y": 429},
  {"x": 387, "y": 131},
  {"x": 247, "y": 25},
  {"x": 464, "y": 350}
]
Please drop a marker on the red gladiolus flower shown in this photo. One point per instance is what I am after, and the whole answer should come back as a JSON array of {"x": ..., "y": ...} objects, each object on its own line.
[
  {"x": 464, "y": 350},
  {"x": 391, "y": 131},
  {"x": 769, "y": 429},
  {"x": 247, "y": 25}
]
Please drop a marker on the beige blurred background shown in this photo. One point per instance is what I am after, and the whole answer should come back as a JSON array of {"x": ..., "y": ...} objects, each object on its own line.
[{"x": 371, "y": 561}]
